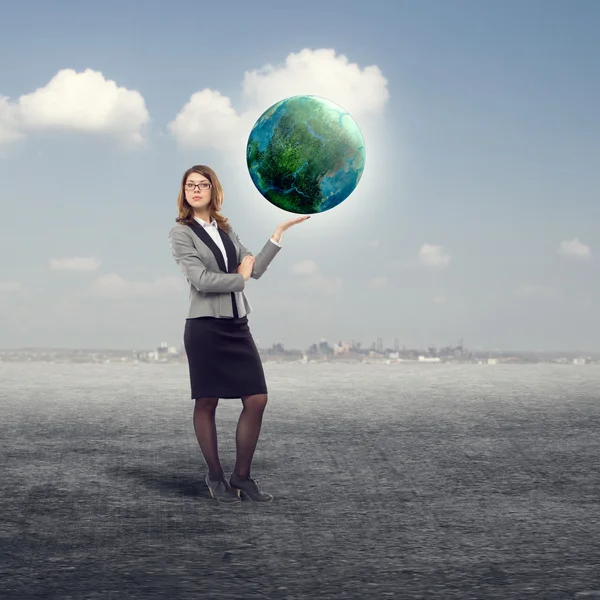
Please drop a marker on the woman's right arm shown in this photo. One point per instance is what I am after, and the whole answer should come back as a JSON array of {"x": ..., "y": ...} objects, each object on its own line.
[{"x": 186, "y": 257}]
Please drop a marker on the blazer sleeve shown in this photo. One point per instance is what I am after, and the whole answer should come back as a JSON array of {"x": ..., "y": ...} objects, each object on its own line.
[
  {"x": 186, "y": 257},
  {"x": 263, "y": 258}
]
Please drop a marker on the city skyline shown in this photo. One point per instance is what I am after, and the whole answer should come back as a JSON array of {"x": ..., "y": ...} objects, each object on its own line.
[{"x": 377, "y": 345}]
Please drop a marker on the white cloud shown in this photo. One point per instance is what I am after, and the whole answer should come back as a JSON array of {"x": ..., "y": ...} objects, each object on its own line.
[
  {"x": 305, "y": 267},
  {"x": 530, "y": 291},
  {"x": 83, "y": 101},
  {"x": 312, "y": 280},
  {"x": 574, "y": 248},
  {"x": 9, "y": 121},
  {"x": 328, "y": 285},
  {"x": 379, "y": 282},
  {"x": 14, "y": 295},
  {"x": 74, "y": 264},
  {"x": 429, "y": 256},
  {"x": 10, "y": 287},
  {"x": 113, "y": 286},
  {"x": 209, "y": 119},
  {"x": 322, "y": 73},
  {"x": 433, "y": 256},
  {"x": 323, "y": 284},
  {"x": 400, "y": 264}
]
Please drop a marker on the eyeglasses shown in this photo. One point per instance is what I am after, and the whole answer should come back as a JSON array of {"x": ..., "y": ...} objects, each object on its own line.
[{"x": 201, "y": 186}]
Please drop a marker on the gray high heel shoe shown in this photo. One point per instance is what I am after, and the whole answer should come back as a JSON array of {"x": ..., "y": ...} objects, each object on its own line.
[
  {"x": 249, "y": 488},
  {"x": 222, "y": 491}
]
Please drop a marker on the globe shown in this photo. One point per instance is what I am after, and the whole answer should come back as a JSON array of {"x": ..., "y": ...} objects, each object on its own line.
[{"x": 305, "y": 154}]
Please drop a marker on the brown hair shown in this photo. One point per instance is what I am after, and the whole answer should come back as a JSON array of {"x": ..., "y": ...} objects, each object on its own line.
[{"x": 186, "y": 212}]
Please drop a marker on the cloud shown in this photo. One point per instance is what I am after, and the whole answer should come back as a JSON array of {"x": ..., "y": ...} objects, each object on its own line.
[
  {"x": 379, "y": 282},
  {"x": 305, "y": 267},
  {"x": 9, "y": 121},
  {"x": 74, "y": 101},
  {"x": 314, "y": 281},
  {"x": 209, "y": 119},
  {"x": 11, "y": 287},
  {"x": 429, "y": 256},
  {"x": 321, "y": 284},
  {"x": 74, "y": 264},
  {"x": 575, "y": 249},
  {"x": 322, "y": 73},
  {"x": 531, "y": 291},
  {"x": 433, "y": 256},
  {"x": 14, "y": 294},
  {"x": 113, "y": 286},
  {"x": 325, "y": 285}
]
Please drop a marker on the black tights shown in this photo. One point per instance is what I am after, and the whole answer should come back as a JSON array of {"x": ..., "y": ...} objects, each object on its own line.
[{"x": 246, "y": 436}]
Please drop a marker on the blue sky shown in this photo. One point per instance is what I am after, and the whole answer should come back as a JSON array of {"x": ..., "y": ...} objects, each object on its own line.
[{"x": 478, "y": 215}]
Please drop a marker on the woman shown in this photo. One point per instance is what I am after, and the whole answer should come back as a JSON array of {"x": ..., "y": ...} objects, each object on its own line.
[{"x": 222, "y": 356}]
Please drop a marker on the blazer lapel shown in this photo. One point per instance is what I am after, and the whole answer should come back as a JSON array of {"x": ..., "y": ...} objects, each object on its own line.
[
  {"x": 206, "y": 239},
  {"x": 230, "y": 250}
]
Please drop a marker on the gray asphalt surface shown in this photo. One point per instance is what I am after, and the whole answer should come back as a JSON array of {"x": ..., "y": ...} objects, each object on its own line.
[{"x": 390, "y": 481}]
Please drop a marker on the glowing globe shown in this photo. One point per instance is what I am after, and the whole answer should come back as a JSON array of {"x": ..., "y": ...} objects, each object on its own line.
[{"x": 305, "y": 154}]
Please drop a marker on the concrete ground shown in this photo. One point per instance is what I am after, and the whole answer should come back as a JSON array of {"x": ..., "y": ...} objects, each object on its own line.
[{"x": 432, "y": 481}]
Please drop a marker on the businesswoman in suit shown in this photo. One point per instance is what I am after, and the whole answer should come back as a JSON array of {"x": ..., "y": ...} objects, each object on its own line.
[{"x": 222, "y": 356}]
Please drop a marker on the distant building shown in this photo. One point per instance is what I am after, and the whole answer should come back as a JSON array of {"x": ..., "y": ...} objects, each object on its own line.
[
  {"x": 341, "y": 348},
  {"x": 321, "y": 349}
]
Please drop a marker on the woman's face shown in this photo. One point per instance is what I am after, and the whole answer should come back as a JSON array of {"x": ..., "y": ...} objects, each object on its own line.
[{"x": 198, "y": 190}]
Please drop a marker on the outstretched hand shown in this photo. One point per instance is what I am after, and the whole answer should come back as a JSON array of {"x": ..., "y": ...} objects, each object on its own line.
[{"x": 287, "y": 224}]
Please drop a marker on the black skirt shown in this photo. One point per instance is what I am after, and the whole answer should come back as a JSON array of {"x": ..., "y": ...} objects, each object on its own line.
[{"x": 223, "y": 359}]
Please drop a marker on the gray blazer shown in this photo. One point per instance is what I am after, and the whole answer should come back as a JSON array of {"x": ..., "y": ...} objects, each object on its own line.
[{"x": 201, "y": 261}]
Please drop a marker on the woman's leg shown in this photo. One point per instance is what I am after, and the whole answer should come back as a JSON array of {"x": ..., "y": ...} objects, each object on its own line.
[
  {"x": 206, "y": 432},
  {"x": 248, "y": 430}
]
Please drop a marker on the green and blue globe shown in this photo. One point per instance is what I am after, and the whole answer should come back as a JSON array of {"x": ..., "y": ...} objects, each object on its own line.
[{"x": 305, "y": 154}]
